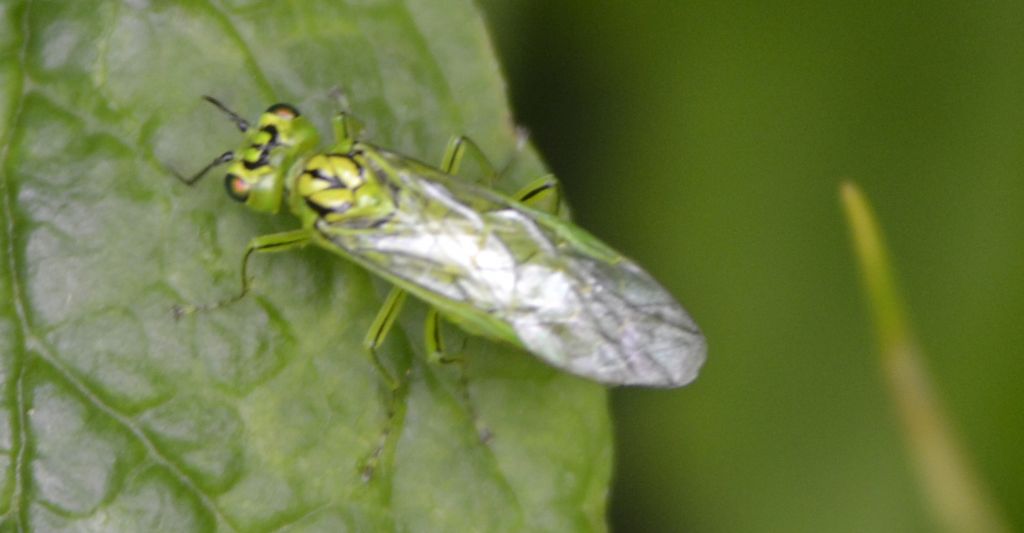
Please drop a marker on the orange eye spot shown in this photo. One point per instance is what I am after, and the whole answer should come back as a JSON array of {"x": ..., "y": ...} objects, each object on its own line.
[
  {"x": 238, "y": 189},
  {"x": 284, "y": 111}
]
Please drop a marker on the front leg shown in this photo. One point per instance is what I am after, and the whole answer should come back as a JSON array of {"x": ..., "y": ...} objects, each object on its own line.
[{"x": 275, "y": 242}]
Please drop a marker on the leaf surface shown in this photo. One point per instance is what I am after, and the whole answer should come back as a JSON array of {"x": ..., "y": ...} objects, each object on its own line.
[{"x": 257, "y": 416}]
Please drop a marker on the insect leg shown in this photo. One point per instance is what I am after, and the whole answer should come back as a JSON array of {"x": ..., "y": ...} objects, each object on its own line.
[
  {"x": 346, "y": 126},
  {"x": 543, "y": 194},
  {"x": 346, "y": 131},
  {"x": 457, "y": 148},
  {"x": 432, "y": 337},
  {"x": 382, "y": 324},
  {"x": 436, "y": 354},
  {"x": 434, "y": 340},
  {"x": 275, "y": 242},
  {"x": 380, "y": 328}
]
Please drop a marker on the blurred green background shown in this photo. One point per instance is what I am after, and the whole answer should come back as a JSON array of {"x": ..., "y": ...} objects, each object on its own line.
[{"x": 707, "y": 141}]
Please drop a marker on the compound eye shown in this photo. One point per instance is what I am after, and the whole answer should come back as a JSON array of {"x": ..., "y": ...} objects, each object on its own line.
[
  {"x": 238, "y": 189},
  {"x": 285, "y": 111}
]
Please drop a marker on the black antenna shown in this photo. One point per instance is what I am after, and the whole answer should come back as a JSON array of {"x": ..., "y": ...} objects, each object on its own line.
[
  {"x": 221, "y": 159},
  {"x": 239, "y": 121}
]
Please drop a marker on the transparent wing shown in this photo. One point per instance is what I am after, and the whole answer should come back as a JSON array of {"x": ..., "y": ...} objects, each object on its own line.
[{"x": 565, "y": 297}]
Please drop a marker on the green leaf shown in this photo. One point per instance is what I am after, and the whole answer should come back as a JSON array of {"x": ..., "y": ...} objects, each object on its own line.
[{"x": 255, "y": 417}]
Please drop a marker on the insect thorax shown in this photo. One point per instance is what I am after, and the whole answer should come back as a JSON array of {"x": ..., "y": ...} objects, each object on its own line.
[{"x": 340, "y": 189}]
